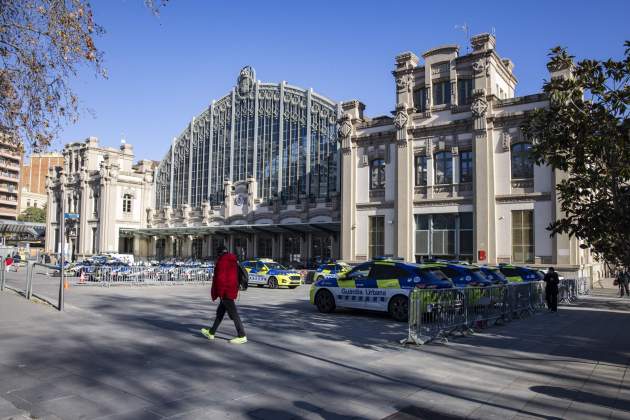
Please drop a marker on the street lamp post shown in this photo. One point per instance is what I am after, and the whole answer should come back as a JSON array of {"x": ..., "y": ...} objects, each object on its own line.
[{"x": 62, "y": 236}]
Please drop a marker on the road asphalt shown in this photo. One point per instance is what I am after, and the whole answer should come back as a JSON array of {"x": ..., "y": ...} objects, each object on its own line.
[{"x": 136, "y": 353}]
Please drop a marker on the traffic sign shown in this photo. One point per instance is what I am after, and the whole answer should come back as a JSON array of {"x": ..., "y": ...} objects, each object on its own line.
[{"x": 71, "y": 215}]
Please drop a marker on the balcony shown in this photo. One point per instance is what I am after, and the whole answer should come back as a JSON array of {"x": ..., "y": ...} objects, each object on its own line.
[
  {"x": 9, "y": 202},
  {"x": 9, "y": 154}
]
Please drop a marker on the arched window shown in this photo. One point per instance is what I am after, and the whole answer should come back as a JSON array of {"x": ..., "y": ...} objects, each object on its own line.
[
  {"x": 127, "y": 203},
  {"x": 443, "y": 168},
  {"x": 522, "y": 163},
  {"x": 377, "y": 174}
]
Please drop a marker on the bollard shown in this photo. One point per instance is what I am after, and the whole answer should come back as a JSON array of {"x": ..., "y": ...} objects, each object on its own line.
[
  {"x": 29, "y": 280},
  {"x": 2, "y": 280}
]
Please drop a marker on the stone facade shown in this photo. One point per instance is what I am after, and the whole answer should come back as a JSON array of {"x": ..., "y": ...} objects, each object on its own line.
[
  {"x": 108, "y": 192},
  {"x": 458, "y": 181}
]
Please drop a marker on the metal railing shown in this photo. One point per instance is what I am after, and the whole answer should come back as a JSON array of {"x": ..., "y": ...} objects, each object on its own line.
[
  {"x": 28, "y": 290},
  {"x": 143, "y": 275},
  {"x": 570, "y": 289},
  {"x": 438, "y": 313}
]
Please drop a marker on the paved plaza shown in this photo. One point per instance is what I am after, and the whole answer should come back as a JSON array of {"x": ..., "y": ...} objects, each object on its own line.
[{"x": 135, "y": 353}]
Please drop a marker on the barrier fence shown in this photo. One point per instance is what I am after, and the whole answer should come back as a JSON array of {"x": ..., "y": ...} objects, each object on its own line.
[
  {"x": 569, "y": 289},
  {"x": 144, "y": 275},
  {"x": 438, "y": 313}
]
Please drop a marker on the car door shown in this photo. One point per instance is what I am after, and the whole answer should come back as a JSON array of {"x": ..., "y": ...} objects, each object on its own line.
[
  {"x": 351, "y": 286},
  {"x": 385, "y": 281},
  {"x": 255, "y": 276}
]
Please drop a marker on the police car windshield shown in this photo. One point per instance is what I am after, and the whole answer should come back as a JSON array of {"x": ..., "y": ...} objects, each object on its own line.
[
  {"x": 435, "y": 274},
  {"x": 275, "y": 266},
  {"x": 477, "y": 275},
  {"x": 497, "y": 274}
]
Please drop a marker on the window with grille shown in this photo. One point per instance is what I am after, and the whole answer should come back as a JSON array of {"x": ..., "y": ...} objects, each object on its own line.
[
  {"x": 442, "y": 93},
  {"x": 377, "y": 236},
  {"x": 421, "y": 170},
  {"x": 377, "y": 174},
  {"x": 522, "y": 163},
  {"x": 465, "y": 167},
  {"x": 443, "y": 168},
  {"x": 420, "y": 99},
  {"x": 464, "y": 91},
  {"x": 523, "y": 236},
  {"x": 127, "y": 203}
]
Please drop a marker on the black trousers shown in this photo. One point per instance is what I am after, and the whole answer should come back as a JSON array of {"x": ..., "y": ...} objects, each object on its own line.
[
  {"x": 228, "y": 305},
  {"x": 552, "y": 299}
]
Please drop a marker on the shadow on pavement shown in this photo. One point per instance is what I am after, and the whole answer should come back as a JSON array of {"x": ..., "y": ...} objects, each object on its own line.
[{"x": 145, "y": 351}]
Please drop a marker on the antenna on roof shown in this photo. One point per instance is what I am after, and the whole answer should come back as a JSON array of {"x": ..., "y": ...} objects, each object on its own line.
[
  {"x": 466, "y": 30},
  {"x": 122, "y": 139},
  {"x": 494, "y": 31}
]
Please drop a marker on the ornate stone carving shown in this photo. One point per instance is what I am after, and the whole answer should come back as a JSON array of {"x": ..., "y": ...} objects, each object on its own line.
[
  {"x": 246, "y": 80},
  {"x": 400, "y": 121},
  {"x": 506, "y": 139},
  {"x": 480, "y": 65},
  {"x": 404, "y": 82},
  {"x": 479, "y": 105}
]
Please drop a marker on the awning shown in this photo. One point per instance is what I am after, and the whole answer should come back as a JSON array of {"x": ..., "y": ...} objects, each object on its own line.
[
  {"x": 326, "y": 227},
  {"x": 24, "y": 228}
]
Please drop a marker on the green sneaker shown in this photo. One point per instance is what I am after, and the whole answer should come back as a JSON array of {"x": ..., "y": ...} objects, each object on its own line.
[
  {"x": 238, "y": 340},
  {"x": 206, "y": 333}
]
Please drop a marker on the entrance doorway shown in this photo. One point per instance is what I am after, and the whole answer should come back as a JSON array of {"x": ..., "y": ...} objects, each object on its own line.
[
  {"x": 291, "y": 249},
  {"x": 322, "y": 248},
  {"x": 240, "y": 247},
  {"x": 197, "y": 248}
]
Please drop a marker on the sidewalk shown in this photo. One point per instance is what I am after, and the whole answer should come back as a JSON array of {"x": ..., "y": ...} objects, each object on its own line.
[{"x": 134, "y": 353}]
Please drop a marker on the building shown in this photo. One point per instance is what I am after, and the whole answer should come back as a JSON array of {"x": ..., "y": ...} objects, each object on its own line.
[
  {"x": 450, "y": 174},
  {"x": 10, "y": 159},
  {"x": 107, "y": 191},
  {"x": 258, "y": 171},
  {"x": 274, "y": 170},
  {"x": 33, "y": 179}
]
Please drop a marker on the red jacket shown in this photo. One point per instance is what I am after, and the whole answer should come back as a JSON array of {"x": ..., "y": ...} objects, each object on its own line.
[{"x": 225, "y": 279}]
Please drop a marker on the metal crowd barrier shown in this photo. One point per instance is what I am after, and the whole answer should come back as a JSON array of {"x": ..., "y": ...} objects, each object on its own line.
[
  {"x": 570, "y": 289},
  {"x": 28, "y": 290},
  {"x": 437, "y": 313},
  {"x": 145, "y": 275}
]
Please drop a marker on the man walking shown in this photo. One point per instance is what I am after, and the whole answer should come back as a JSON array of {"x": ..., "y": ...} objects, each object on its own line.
[
  {"x": 225, "y": 287},
  {"x": 551, "y": 289}
]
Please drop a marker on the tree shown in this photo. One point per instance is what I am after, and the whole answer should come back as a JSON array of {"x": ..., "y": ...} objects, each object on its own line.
[
  {"x": 33, "y": 214},
  {"x": 43, "y": 43},
  {"x": 585, "y": 132}
]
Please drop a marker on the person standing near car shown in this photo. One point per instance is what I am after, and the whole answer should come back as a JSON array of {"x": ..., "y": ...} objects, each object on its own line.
[
  {"x": 225, "y": 284},
  {"x": 551, "y": 289}
]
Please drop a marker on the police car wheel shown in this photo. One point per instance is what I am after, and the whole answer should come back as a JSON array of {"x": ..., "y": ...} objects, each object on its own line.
[
  {"x": 272, "y": 283},
  {"x": 325, "y": 301},
  {"x": 399, "y": 308}
]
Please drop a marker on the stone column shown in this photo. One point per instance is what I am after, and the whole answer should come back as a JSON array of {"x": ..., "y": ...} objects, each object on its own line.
[
  {"x": 484, "y": 196},
  {"x": 404, "y": 186},
  {"x": 405, "y": 81},
  {"x": 352, "y": 113},
  {"x": 84, "y": 244}
]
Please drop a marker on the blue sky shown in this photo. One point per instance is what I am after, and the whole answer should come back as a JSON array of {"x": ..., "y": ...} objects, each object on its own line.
[{"x": 164, "y": 70}]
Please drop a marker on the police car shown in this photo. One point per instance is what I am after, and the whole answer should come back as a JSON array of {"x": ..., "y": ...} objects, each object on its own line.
[
  {"x": 331, "y": 270},
  {"x": 516, "y": 274},
  {"x": 267, "y": 272},
  {"x": 494, "y": 275},
  {"x": 463, "y": 275},
  {"x": 381, "y": 285}
]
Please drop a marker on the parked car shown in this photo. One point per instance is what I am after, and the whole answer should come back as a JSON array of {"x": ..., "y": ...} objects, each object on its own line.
[{"x": 380, "y": 285}]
